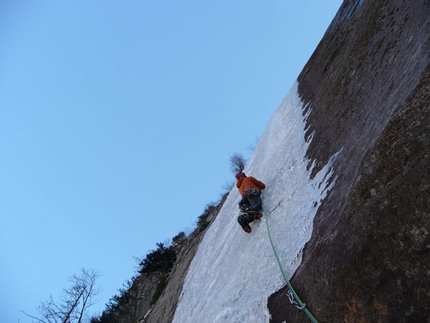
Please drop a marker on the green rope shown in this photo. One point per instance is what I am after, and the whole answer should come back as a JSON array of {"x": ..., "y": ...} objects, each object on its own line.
[{"x": 294, "y": 298}]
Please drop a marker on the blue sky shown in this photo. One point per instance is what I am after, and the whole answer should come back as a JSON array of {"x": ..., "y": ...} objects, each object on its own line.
[{"x": 117, "y": 121}]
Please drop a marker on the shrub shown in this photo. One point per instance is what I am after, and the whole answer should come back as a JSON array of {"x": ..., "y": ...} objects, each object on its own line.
[
  {"x": 202, "y": 222},
  {"x": 179, "y": 238},
  {"x": 237, "y": 163},
  {"x": 161, "y": 259}
]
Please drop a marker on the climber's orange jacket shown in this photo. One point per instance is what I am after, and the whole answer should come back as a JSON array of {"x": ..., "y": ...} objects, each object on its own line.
[{"x": 249, "y": 182}]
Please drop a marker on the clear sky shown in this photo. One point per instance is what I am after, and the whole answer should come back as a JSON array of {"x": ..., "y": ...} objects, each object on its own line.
[{"x": 117, "y": 121}]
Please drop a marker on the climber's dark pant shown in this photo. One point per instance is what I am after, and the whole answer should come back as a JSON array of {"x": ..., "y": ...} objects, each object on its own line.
[
  {"x": 244, "y": 219},
  {"x": 251, "y": 200},
  {"x": 254, "y": 202}
]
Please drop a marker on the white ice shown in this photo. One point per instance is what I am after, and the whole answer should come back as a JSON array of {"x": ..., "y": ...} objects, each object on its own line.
[{"x": 234, "y": 273}]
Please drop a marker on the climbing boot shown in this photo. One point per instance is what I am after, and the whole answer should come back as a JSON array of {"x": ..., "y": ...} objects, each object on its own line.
[{"x": 247, "y": 229}]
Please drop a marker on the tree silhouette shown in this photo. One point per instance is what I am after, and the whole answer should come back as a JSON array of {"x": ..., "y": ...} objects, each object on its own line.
[
  {"x": 237, "y": 163},
  {"x": 74, "y": 303},
  {"x": 161, "y": 260}
]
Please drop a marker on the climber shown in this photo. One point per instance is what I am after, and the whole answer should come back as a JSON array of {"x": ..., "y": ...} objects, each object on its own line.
[{"x": 250, "y": 204}]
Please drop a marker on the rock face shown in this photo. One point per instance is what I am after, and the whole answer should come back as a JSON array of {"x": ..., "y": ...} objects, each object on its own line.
[{"x": 368, "y": 88}]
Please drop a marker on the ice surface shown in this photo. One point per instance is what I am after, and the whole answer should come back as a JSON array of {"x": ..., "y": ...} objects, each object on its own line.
[{"x": 234, "y": 273}]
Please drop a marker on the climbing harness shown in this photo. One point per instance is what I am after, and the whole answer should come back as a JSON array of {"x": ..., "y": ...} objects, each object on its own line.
[{"x": 292, "y": 295}]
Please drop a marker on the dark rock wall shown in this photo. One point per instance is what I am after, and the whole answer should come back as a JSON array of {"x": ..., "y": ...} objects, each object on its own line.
[{"x": 368, "y": 85}]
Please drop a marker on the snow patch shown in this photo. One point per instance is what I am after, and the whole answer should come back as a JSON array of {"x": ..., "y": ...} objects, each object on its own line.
[{"x": 233, "y": 273}]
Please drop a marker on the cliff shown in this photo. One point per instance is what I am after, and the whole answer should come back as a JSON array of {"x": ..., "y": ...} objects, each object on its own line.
[
  {"x": 366, "y": 96},
  {"x": 368, "y": 88}
]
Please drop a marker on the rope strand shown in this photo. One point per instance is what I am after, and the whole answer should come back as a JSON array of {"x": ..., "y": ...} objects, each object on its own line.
[{"x": 292, "y": 295}]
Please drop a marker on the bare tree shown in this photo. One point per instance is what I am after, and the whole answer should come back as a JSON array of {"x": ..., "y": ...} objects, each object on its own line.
[
  {"x": 237, "y": 163},
  {"x": 74, "y": 303}
]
